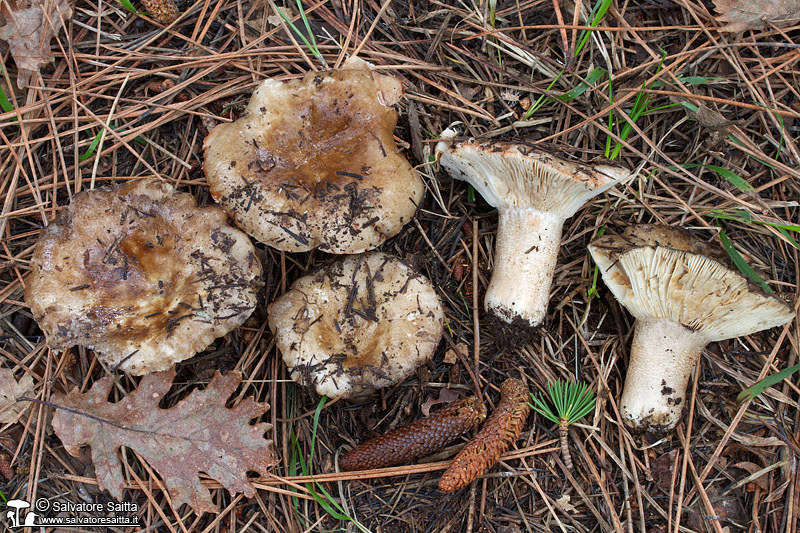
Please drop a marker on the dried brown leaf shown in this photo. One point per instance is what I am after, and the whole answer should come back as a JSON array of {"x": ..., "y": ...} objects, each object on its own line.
[
  {"x": 27, "y": 26},
  {"x": 727, "y": 510},
  {"x": 198, "y": 434},
  {"x": 451, "y": 355},
  {"x": 662, "y": 470},
  {"x": 741, "y": 15},
  {"x": 752, "y": 468},
  {"x": 563, "y": 504},
  {"x": 10, "y": 390},
  {"x": 445, "y": 396}
]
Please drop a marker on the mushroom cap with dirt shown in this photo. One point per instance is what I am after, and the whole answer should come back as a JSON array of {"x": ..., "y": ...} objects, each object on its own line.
[
  {"x": 534, "y": 193},
  {"x": 312, "y": 162},
  {"x": 361, "y": 323},
  {"x": 683, "y": 296},
  {"x": 141, "y": 275}
]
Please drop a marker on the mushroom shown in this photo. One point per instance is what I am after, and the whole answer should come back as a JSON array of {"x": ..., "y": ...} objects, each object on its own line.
[
  {"x": 141, "y": 275},
  {"x": 361, "y": 323},
  {"x": 683, "y": 297},
  {"x": 312, "y": 163},
  {"x": 534, "y": 193}
]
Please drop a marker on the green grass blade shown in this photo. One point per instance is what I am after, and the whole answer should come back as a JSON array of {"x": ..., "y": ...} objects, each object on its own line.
[
  {"x": 315, "y": 425},
  {"x": 593, "y": 77},
  {"x": 734, "y": 140},
  {"x": 610, "y": 117},
  {"x": 735, "y": 179},
  {"x": 742, "y": 215},
  {"x": 314, "y": 48},
  {"x": 732, "y": 177},
  {"x": 789, "y": 238},
  {"x": 5, "y": 103},
  {"x": 92, "y": 146},
  {"x": 596, "y": 16},
  {"x": 542, "y": 99},
  {"x": 327, "y": 502},
  {"x": 639, "y": 108},
  {"x": 593, "y": 289},
  {"x": 311, "y": 47},
  {"x": 129, "y": 6},
  {"x": 751, "y": 392},
  {"x": 740, "y": 263},
  {"x": 688, "y": 80}
]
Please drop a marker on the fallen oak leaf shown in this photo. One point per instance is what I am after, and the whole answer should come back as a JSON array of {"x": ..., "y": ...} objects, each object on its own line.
[
  {"x": 742, "y": 15},
  {"x": 27, "y": 26},
  {"x": 198, "y": 434},
  {"x": 10, "y": 390}
]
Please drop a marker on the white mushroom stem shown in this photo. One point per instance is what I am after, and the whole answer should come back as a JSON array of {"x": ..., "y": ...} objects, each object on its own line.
[
  {"x": 663, "y": 354},
  {"x": 525, "y": 259}
]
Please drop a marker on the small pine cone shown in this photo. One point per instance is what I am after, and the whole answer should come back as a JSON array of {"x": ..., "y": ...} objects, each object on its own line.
[
  {"x": 417, "y": 439},
  {"x": 164, "y": 11},
  {"x": 497, "y": 435}
]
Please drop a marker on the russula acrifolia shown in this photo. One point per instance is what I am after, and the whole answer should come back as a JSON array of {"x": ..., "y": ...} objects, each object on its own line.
[
  {"x": 534, "y": 193},
  {"x": 312, "y": 162},
  {"x": 361, "y": 323},
  {"x": 683, "y": 296},
  {"x": 141, "y": 275}
]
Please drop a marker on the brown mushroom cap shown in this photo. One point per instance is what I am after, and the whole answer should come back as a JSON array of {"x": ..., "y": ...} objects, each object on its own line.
[
  {"x": 141, "y": 275},
  {"x": 312, "y": 163},
  {"x": 361, "y": 323}
]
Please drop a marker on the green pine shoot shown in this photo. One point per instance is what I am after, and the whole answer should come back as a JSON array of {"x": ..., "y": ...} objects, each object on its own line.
[{"x": 570, "y": 401}]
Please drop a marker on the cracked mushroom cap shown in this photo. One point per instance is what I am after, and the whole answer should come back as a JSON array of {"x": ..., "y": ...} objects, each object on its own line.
[
  {"x": 312, "y": 163},
  {"x": 141, "y": 275},
  {"x": 359, "y": 324},
  {"x": 518, "y": 176},
  {"x": 663, "y": 272}
]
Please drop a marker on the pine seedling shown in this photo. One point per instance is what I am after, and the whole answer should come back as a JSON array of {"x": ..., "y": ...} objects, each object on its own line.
[{"x": 570, "y": 401}]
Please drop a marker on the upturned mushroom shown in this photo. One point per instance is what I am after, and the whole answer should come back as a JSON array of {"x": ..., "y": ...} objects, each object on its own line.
[
  {"x": 312, "y": 163},
  {"x": 534, "y": 193},
  {"x": 683, "y": 296},
  {"x": 141, "y": 275},
  {"x": 359, "y": 324}
]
